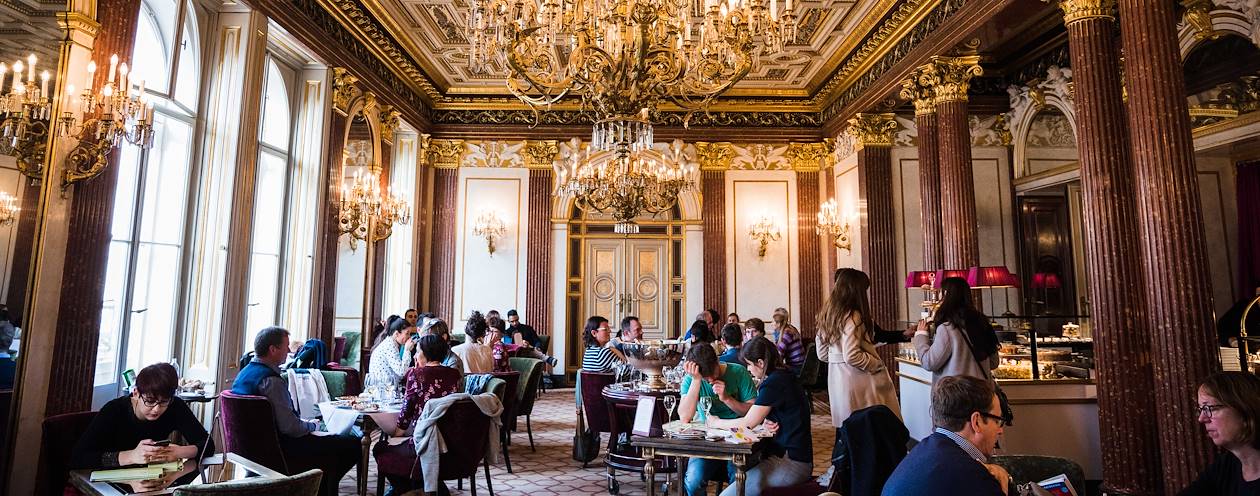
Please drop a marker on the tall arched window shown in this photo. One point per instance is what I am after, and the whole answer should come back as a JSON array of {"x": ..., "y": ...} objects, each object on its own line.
[
  {"x": 271, "y": 188},
  {"x": 139, "y": 318}
]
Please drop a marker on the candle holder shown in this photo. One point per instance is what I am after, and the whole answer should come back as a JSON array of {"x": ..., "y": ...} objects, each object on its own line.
[
  {"x": 24, "y": 116},
  {"x": 98, "y": 122}
]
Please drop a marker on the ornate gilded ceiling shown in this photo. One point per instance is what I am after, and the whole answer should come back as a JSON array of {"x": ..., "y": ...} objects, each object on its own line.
[{"x": 28, "y": 26}]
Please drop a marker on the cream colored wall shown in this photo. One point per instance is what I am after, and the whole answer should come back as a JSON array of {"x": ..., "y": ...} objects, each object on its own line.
[
  {"x": 1218, "y": 194},
  {"x": 13, "y": 183},
  {"x": 485, "y": 281},
  {"x": 757, "y": 285}
]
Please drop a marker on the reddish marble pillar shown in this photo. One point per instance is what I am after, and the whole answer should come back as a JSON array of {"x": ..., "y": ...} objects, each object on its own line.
[
  {"x": 326, "y": 250},
  {"x": 87, "y": 248},
  {"x": 1126, "y": 409},
  {"x": 873, "y": 133},
  {"x": 918, "y": 90},
  {"x": 833, "y": 259},
  {"x": 812, "y": 285},
  {"x": 442, "y": 282},
  {"x": 538, "y": 259},
  {"x": 1174, "y": 257},
  {"x": 713, "y": 215},
  {"x": 950, "y": 78}
]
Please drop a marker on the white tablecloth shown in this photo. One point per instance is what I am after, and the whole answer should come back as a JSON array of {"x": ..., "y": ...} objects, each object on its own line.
[{"x": 340, "y": 420}]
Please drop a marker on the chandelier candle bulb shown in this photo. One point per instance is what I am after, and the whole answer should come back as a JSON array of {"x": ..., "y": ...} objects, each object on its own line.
[
  {"x": 113, "y": 67},
  {"x": 91, "y": 72},
  {"x": 17, "y": 77},
  {"x": 30, "y": 67}
]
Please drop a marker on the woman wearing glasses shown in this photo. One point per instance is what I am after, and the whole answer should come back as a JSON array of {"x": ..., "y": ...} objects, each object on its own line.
[
  {"x": 138, "y": 428},
  {"x": 1229, "y": 408}
]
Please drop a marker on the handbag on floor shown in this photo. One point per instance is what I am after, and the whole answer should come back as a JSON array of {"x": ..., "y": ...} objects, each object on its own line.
[{"x": 585, "y": 443}]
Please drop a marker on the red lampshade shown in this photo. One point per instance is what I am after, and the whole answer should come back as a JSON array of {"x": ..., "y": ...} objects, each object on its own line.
[
  {"x": 1046, "y": 280},
  {"x": 941, "y": 275},
  {"x": 919, "y": 278},
  {"x": 991, "y": 277}
]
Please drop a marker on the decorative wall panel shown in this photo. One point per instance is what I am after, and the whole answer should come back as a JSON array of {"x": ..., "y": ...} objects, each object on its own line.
[
  {"x": 758, "y": 284},
  {"x": 483, "y": 280}
]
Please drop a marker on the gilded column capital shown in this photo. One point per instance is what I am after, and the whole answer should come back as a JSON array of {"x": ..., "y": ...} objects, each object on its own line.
[
  {"x": 714, "y": 156},
  {"x": 446, "y": 154},
  {"x": 541, "y": 154},
  {"x": 78, "y": 22},
  {"x": 872, "y": 129},
  {"x": 390, "y": 120},
  {"x": 343, "y": 88},
  {"x": 918, "y": 89},
  {"x": 807, "y": 157},
  {"x": 950, "y": 77},
  {"x": 1079, "y": 10}
]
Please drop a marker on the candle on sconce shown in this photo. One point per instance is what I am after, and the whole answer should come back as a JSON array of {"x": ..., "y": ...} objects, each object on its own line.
[
  {"x": 30, "y": 67},
  {"x": 17, "y": 76},
  {"x": 788, "y": 7},
  {"x": 91, "y": 72},
  {"x": 113, "y": 66},
  {"x": 72, "y": 101},
  {"x": 43, "y": 84},
  {"x": 122, "y": 80},
  {"x": 4, "y": 68}
]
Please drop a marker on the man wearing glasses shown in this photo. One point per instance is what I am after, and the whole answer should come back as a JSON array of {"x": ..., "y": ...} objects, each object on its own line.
[{"x": 955, "y": 458}]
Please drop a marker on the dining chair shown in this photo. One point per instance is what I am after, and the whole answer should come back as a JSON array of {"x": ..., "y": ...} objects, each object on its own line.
[
  {"x": 594, "y": 408},
  {"x": 509, "y": 399},
  {"x": 531, "y": 370},
  {"x": 61, "y": 432},
  {"x": 303, "y": 484},
  {"x": 248, "y": 427}
]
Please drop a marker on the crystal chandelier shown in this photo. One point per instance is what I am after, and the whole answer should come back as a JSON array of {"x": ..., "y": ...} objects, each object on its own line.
[
  {"x": 623, "y": 57},
  {"x": 627, "y": 185},
  {"x": 24, "y": 113},
  {"x": 100, "y": 121},
  {"x": 364, "y": 208},
  {"x": 834, "y": 225},
  {"x": 9, "y": 209}
]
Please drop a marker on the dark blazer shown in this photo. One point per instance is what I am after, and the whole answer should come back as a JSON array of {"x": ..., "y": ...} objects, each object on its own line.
[
  {"x": 8, "y": 370},
  {"x": 938, "y": 466}
]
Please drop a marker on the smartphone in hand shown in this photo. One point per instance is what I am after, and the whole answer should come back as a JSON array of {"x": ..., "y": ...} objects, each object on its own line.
[{"x": 164, "y": 442}]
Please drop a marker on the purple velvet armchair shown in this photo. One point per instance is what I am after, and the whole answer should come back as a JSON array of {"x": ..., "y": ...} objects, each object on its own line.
[
  {"x": 249, "y": 429},
  {"x": 61, "y": 432}
]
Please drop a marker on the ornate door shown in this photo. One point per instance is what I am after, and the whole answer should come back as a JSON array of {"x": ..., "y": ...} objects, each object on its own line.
[{"x": 628, "y": 277}]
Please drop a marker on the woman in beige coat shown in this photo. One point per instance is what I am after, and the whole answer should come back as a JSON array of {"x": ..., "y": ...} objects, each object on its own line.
[{"x": 856, "y": 377}]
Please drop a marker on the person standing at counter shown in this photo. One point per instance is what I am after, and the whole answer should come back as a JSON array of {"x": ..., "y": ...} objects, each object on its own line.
[
  {"x": 964, "y": 340},
  {"x": 856, "y": 377},
  {"x": 1229, "y": 407}
]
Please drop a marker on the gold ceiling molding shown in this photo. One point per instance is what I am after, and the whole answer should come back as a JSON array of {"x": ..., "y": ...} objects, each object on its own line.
[
  {"x": 890, "y": 32},
  {"x": 918, "y": 89},
  {"x": 714, "y": 156},
  {"x": 1080, "y": 10},
  {"x": 873, "y": 16},
  {"x": 390, "y": 120},
  {"x": 343, "y": 89},
  {"x": 446, "y": 154},
  {"x": 807, "y": 157},
  {"x": 541, "y": 154},
  {"x": 361, "y": 23},
  {"x": 872, "y": 129}
]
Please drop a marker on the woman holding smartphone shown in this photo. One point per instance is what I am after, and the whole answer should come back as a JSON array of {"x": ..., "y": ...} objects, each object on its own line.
[{"x": 137, "y": 429}]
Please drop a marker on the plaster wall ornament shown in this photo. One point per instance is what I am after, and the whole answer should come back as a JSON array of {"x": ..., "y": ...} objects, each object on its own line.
[
  {"x": 1198, "y": 16},
  {"x": 1079, "y": 10},
  {"x": 918, "y": 89},
  {"x": 988, "y": 130},
  {"x": 494, "y": 153},
  {"x": 907, "y": 133},
  {"x": 358, "y": 153},
  {"x": 541, "y": 154},
  {"x": 1054, "y": 130},
  {"x": 843, "y": 147},
  {"x": 950, "y": 77},
  {"x": 426, "y": 139},
  {"x": 807, "y": 157},
  {"x": 1050, "y": 131},
  {"x": 714, "y": 156},
  {"x": 343, "y": 89},
  {"x": 1250, "y": 9},
  {"x": 390, "y": 121},
  {"x": 446, "y": 154},
  {"x": 872, "y": 129},
  {"x": 760, "y": 156}
]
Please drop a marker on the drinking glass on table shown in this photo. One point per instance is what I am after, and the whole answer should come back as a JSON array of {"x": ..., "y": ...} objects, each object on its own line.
[
  {"x": 705, "y": 404},
  {"x": 670, "y": 402}
]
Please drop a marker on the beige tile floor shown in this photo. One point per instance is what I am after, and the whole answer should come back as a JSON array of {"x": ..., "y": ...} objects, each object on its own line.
[{"x": 552, "y": 471}]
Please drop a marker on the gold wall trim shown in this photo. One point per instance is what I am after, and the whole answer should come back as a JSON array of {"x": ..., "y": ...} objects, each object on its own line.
[
  {"x": 1227, "y": 125},
  {"x": 358, "y": 22},
  {"x": 907, "y": 16}
]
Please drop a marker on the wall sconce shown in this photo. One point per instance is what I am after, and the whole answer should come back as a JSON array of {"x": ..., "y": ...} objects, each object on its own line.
[
  {"x": 24, "y": 116},
  {"x": 367, "y": 213},
  {"x": 489, "y": 226},
  {"x": 832, "y": 224},
  {"x": 8, "y": 208},
  {"x": 98, "y": 121},
  {"x": 764, "y": 231}
]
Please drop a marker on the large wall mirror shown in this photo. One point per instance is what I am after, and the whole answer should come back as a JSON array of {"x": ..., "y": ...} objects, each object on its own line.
[
  {"x": 360, "y": 155},
  {"x": 29, "y": 52}
]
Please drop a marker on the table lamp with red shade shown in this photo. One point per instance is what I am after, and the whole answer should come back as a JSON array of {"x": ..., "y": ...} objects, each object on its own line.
[
  {"x": 1046, "y": 280},
  {"x": 991, "y": 277},
  {"x": 943, "y": 274}
]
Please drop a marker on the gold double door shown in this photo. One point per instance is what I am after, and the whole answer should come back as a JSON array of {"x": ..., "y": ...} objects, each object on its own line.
[{"x": 628, "y": 277}]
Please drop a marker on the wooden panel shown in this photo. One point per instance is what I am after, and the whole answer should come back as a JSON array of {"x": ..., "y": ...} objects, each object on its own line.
[{"x": 646, "y": 283}]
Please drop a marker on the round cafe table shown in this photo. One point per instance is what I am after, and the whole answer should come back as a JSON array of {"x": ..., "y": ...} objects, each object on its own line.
[{"x": 623, "y": 402}]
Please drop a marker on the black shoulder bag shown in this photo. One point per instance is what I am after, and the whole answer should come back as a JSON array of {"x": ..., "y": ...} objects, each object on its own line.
[
  {"x": 585, "y": 443},
  {"x": 1008, "y": 415}
]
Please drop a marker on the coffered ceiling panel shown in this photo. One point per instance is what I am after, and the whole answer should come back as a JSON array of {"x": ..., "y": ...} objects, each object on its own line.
[{"x": 433, "y": 32}]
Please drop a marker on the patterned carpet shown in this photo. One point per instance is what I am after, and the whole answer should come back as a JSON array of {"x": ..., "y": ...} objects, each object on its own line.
[{"x": 552, "y": 471}]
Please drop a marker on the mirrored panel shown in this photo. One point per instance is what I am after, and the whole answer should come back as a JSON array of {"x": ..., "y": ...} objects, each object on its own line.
[{"x": 357, "y": 159}]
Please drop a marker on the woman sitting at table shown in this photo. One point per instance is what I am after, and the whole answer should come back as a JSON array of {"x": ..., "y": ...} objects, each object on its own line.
[
  {"x": 392, "y": 356},
  {"x": 782, "y": 405},
  {"x": 599, "y": 356},
  {"x": 133, "y": 429},
  {"x": 477, "y": 357},
  {"x": 437, "y": 327},
  {"x": 429, "y": 379}
]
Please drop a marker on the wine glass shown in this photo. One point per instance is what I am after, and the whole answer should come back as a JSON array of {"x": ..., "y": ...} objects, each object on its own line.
[
  {"x": 705, "y": 404},
  {"x": 671, "y": 401}
]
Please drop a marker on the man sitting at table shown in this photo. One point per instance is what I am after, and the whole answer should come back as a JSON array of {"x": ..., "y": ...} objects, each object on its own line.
[
  {"x": 303, "y": 445},
  {"x": 730, "y": 390},
  {"x": 732, "y": 339}
]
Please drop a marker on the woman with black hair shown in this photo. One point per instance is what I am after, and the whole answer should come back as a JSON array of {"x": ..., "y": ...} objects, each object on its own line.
[
  {"x": 392, "y": 355},
  {"x": 781, "y": 404},
  {"x": 477, "y": 357},
  {"x": 599, "y": 356},
  {"x": 964, "y": 338}
]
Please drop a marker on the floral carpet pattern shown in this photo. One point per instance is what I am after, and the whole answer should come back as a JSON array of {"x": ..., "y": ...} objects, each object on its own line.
[{"x": 552, "y": 471}]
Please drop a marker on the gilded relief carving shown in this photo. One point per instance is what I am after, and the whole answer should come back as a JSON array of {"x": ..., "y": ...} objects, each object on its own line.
[
  {"x": 1079, "y": 10},
  {"x": 918, "y": 89},
  {"x": 446, "y": 154},
  {"x": 951, "y": 76},
  {"x": 390, "y": 121},
  {"x": 872, "y": 129},
  {"x": 343, "y": 88},
  {"x": 807, "y": 156},
  {"x": 541, "y": 154},
  {"x": 1198, "y": 15},
  {"x": 714, "y": 156}
]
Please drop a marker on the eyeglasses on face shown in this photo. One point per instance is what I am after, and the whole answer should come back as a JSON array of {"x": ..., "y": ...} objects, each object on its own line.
[
  {"x": 152, "y": 402},
  {"x": 998, "y": 418},
  {"x": 1210, "y": 410}
]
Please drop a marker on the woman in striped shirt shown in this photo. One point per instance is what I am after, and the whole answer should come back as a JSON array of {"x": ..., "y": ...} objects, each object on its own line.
[
  {"x": 788, "y": 337},
  {"x": 599, "y": 356}
]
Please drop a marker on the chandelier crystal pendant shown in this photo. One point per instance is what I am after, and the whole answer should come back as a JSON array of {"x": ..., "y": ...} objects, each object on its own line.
[
  {"x": 367, "y": 213},
  {"x": 627, "y": 186}
]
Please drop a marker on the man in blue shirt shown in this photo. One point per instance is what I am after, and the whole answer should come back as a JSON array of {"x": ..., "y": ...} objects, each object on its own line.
[
  {"x": 729, "y": 388},
  {"x": 732, "y": 339},
  {"x": 304, "y": 446},
  {"x": 955, "y": 458}
]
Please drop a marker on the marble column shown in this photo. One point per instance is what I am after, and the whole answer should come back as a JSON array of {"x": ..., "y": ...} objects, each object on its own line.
[
  {"x": 1174, "y": 257},
  {"x": 873, "y": 135},
  {"x": 1126, "y": 409},
  {"x": 442, "y": 278},
  {"x": 950, "y": 78},
  {"x": 919, "y": 91},
  {"x": 714, "y": 160},
  {"x": 91, "y": 216},
  {"x": 811, "y": 246},
  {"x": 540, "y": 157}
]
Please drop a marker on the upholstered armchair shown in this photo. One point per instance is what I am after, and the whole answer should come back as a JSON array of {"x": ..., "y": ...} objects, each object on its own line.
[
  {"x": 531, "y": 370},
  {"x": 249, "y": 429},
  {"x": 303, "y": 484}
]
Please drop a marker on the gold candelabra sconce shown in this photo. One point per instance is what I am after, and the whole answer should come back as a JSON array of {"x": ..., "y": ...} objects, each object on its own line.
[
  {"x": 489, "y": 226},
  {"x": 763, "y": 232},
  {"x": 833, "y": 224},
  {"x": 366, "y": 211},
  {"x": 9, "y": 210},
  {"x": 25, "y": 109},
  {"x": 97, "y": 122}
]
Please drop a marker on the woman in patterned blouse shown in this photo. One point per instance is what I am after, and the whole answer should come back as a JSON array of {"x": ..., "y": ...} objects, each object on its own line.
[
  {"x": 426, "y": 381},
  {"x": 788, "y": 339}
]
